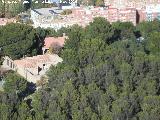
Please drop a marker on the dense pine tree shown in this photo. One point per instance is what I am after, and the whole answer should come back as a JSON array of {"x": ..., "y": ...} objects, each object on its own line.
[{"x": 106, "y": 74}]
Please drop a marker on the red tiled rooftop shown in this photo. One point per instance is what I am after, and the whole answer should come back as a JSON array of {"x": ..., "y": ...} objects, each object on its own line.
[
  {"x": 52, "y": 40},
  {"x": 25, "y": 63},
  {"x": 32, "y": 62}
]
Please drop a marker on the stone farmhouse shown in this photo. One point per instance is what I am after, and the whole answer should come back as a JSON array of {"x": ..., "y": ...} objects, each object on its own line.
[{"x": 33, "y": 68}]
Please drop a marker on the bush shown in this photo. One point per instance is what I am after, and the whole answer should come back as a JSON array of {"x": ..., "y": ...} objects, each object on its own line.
[{"x": 66, "y": 12}]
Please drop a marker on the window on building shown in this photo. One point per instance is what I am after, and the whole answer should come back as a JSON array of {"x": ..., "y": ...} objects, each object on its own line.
[
  {"x": 44, "y": 66},
  {"x": 39, "y": 70},
  {"x": 11, "y": 65}
]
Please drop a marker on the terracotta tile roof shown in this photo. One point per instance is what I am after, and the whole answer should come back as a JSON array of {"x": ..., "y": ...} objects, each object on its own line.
[
  {"x": 33, "y": 62},
  {"x": 52, "y": 40},
  {"x": 25, "y": 63}
]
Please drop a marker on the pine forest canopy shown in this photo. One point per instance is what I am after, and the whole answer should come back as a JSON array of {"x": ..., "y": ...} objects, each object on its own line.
[
  {"x": 107, "y": 73},
  {"x": 17, "y": 40}
]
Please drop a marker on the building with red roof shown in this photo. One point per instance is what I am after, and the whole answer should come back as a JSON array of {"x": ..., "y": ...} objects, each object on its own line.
[
  {"x": 32, "y": 68},
  {"x": 53, "y": 41}
]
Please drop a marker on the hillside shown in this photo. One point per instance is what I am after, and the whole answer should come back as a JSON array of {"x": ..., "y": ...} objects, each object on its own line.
[{"x": 108, "y": 73}]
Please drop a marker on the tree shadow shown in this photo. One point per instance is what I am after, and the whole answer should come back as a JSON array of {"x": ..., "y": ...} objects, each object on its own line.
[{"x": 30, "y": 89}]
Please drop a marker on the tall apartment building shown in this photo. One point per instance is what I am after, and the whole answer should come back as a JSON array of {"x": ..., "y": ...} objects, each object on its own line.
[
  {"x": 151, "y": 12},
  {"x": 147, "y": 10},
  {"x": 127, "y": 14},
  {"x": 111, "y": 14}
]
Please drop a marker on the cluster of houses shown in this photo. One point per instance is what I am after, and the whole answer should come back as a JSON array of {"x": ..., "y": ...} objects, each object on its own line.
[
  {"x": 134, "y": 11},
  {"x": 49, "y": 17},
  {"x": 33, "y": 68},
  {"x": 147, "y": 10}
]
